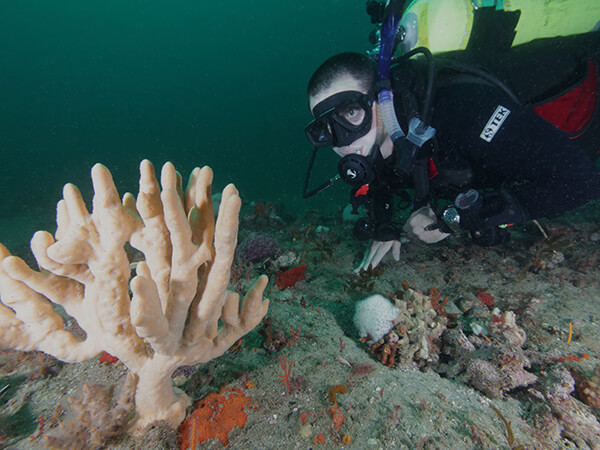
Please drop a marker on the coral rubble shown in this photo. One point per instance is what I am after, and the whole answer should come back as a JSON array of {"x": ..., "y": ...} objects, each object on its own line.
[
  {"x": 415, "y": 332},
  {"x": 576, "y": 420},
  {"x": 588, "y": 388},
  {"x": 502, "y": 364},
  {"x": 93, "y": 421}
]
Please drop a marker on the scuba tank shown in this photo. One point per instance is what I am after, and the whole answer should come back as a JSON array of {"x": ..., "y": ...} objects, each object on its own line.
[{"x": 447, "y": 25}]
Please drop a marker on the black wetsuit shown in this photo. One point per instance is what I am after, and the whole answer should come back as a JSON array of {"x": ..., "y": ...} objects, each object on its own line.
[
  {"x": 545, "y": 171},
  {"x": 525, "y": 166}
]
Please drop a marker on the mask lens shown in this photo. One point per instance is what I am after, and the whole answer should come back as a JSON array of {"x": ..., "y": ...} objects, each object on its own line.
[
  {"x": 340, "y": 119},
  {"x": 319, "y": 133},
  {"x": 354, "y": 114}
]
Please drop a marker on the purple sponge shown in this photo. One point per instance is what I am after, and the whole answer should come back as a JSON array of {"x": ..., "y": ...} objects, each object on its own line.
[{"x": 258, "y": 247}]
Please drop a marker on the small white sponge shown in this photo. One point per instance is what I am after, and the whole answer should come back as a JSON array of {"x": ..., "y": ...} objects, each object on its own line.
[{"x": 374, "y": 317}]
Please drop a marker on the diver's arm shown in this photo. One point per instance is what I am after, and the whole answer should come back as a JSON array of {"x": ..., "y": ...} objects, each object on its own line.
[
  {"x": 377, "y": 228},
  {"x": 546, "y": 173},
  {"x": 377, "y": 224}
]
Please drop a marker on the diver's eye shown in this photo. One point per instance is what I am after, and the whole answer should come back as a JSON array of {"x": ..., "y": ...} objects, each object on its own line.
[{"x": 353, "y": 114}]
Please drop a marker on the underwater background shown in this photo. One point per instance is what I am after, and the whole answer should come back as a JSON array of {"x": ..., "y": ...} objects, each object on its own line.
[
  {"x": 190, "y": 82},
  {"x": 223, "y": 84}
]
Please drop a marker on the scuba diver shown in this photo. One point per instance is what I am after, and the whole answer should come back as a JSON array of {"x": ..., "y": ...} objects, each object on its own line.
[{"x": 495, "y": 136}]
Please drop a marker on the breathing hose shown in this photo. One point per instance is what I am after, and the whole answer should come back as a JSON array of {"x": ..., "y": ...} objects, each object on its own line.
[
  {"x": 418, "y": 132},
  {"x": 384, "y": 96}
]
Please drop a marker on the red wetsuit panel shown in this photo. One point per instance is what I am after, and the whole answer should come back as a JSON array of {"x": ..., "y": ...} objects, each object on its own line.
[
  {"x": 571, "y": 111},
  {"x": 431, "y": 169}
]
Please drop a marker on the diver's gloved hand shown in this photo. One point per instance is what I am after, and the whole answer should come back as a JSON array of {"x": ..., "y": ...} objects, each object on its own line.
[
  {"x": 377, "y": 251},
  {"x": 423, "y": 223},
  {"x": 486, "y": 215}
]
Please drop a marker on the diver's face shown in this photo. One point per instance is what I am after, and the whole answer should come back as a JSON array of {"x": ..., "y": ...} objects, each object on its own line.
[{"x": 364, "y": 144}]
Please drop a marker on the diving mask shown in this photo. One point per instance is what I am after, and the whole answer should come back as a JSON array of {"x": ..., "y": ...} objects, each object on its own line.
[{"x": 341, "y": 119}]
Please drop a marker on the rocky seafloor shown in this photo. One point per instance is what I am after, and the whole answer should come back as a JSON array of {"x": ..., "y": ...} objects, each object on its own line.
[{"x": 496, "y": 348}]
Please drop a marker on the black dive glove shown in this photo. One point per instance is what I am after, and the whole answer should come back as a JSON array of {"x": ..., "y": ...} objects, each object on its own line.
[
  {"x": 485, "y": 215},
  {"x": 365, "y": 229},
  {"x": 490, "y": 236}
]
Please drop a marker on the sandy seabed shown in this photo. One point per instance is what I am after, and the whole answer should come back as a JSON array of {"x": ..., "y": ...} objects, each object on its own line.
[{"x": 547, "y": 283}]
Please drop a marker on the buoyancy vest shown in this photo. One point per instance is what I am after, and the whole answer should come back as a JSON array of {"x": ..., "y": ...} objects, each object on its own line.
[{"x": 557, "y": 77}]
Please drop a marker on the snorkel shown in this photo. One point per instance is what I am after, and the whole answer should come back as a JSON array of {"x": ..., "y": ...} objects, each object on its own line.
[
  {"x": 418, "y": 132},
  {"x": 391, "y": 21}
]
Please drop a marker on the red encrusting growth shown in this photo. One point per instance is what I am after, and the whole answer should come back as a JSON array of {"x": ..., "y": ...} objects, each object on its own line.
[
  {"x": 334, "y": 391},
  {"x": 290, "y": 277},
  {"x": 319, "y": 439},
  {"x": 214, "y": 418},
  {"x": 107, "y": 358},
  {"x": 486, "y": 299},
  {"x": 573, "y": 358},
  {"x": 287, "y": 372},
  {"x": 436, "y": 301},
  {"x": 337, "y": 417}
]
